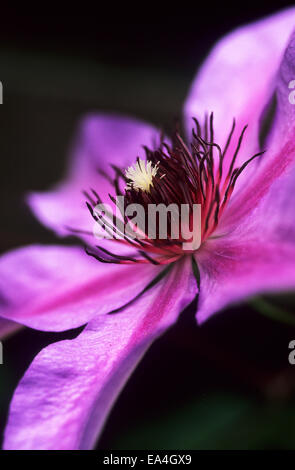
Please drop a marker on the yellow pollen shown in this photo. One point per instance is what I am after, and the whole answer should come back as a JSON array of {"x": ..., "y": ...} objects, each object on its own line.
[{"x": 141, "y": 175}]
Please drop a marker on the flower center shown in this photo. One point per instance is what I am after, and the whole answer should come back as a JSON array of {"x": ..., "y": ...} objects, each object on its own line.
[
  {"x": 141, "y": 175},
  {"x": 177, "y": 175}
]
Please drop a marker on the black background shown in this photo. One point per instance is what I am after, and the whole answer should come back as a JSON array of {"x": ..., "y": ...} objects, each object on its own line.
[{"x": 56, "y": 67}]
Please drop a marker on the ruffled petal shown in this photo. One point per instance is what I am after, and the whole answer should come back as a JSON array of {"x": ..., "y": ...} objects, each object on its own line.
[
  {"x": 57, "y": 288},
  {"x": 239, "y": 78},
  {"x": 276, "y": 172},
  {"x": 268, "y": 193},
  {"x": 284, "y": 120},
  {"x": 102, "y": 140},
  {"x": 256, "y": 249},
  {"x": 67, "y": 392},
  {"x": 232, "y": 270}
]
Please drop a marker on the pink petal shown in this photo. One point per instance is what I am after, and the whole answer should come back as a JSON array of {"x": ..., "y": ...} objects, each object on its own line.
[
  {"x": 102, "y": 140},
  {"x": 57, "y": 288},
  {"x": 256, "y": 250},
  {"x": 232, "y": 270},
  {"x": 238, "y": 79},
  {"x": 276, "y": 171},
  {"x": 284, "y": 122},
  {"x": 269, "y": 192},
  {"x": 69, "y": 389}
]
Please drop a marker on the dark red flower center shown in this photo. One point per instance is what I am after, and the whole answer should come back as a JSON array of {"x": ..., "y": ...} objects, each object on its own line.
[{"x": 177, "y": 174}]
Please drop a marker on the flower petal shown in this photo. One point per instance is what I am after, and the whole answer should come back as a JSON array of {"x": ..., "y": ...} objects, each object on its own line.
[
  {"x": 277, "y": 171},
  {"x": 238, "y": 79},
  {"x": 57, "y": 288},
  {"x": 284, "y": 121},
  {"x": 102, "y": 140},
  {"x": 256, "y": 250},
  {"x": 269, "y": 191},
  {"x": 67, "y": 392},
  {"x": 232, "y": 270}
]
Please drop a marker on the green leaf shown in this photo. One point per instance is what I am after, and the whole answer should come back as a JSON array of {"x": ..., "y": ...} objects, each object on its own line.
[
  {"x": 271, "y": 310},
  {"x": 217, "y": 421}
]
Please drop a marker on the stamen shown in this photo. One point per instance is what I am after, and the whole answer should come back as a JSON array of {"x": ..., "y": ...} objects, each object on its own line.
[
  {"x": 174, "y": 173},
  {"x": 141, "y": 175}
]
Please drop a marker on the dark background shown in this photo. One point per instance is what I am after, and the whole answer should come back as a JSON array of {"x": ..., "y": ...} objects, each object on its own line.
[{"x": 225, "y": 385}]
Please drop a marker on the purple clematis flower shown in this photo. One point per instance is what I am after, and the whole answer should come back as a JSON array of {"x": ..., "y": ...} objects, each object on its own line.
[{"x": 248, "y": 236}]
